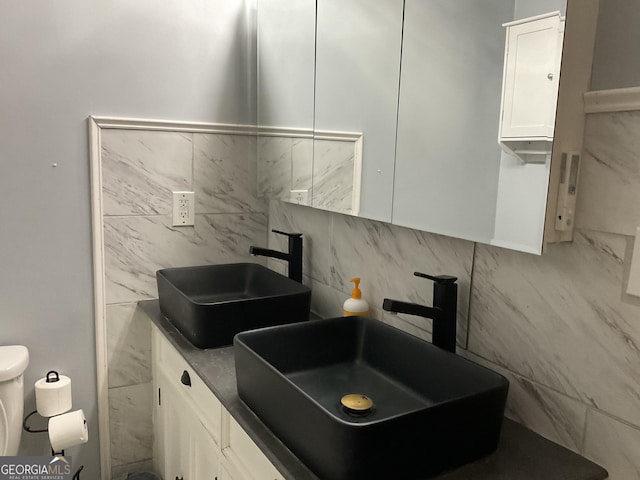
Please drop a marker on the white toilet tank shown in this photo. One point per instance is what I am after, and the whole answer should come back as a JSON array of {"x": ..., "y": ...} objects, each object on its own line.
[{"x": 13, "y": 362}]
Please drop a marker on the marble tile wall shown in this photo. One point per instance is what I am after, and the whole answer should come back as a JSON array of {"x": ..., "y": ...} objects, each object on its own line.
[
  {"x": 284, "y": 164},
  {"x": 323, "y": 167},
  {"x": 333, "y": 175},
  {"x": 339, "y": 247},
  {"x": 559, "y": 326},
  {"x": 139, "y": 171}
]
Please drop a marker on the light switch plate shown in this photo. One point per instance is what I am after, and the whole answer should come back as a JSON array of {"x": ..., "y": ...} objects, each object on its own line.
[
  {"x": 633, "y": 285},
  {"x": 183, "y": 209}
]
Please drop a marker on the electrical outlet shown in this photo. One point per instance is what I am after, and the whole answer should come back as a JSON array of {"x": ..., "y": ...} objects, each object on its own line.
[
  {"x": 183, "y": 209},
  {"x": 301, "y": 197}
]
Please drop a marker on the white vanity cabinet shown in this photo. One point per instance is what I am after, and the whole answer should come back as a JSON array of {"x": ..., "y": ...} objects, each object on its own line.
[
  {"x": 195, "y": 436},
  {"x": 533, "y": 51}
]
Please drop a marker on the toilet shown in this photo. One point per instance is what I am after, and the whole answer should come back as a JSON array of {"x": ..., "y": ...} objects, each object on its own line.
[{"x": 13, "y": 362}]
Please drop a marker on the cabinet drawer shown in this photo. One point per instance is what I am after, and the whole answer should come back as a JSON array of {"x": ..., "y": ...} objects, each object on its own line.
[
  {"x": 174, "y": 366},
  {"x": 247, "y": 457}
]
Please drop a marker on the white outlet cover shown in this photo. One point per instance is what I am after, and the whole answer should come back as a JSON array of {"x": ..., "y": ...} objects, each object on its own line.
[
  {"x": 184, "y": 205},
  {"x": 301, "y": 197}
]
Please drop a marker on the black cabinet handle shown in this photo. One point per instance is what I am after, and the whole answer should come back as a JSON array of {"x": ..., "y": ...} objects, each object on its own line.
[{"x": 186, "y": 380}]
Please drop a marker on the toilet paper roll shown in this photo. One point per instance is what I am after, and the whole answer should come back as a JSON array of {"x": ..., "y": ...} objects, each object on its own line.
[
  {"x": 53, "y": 395},
  {"x": 68, "y": 430}
]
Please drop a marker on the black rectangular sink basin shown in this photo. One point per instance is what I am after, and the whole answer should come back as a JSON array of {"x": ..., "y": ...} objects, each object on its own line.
[
  {"x": 209, "y": 304},
  {"x": 432, "y": 410}
]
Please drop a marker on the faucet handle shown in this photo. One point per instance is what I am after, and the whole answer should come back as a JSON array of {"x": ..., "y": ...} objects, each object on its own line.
[
  {"x": 443, "y": 279},
  {"x": 290, "y": 235}
]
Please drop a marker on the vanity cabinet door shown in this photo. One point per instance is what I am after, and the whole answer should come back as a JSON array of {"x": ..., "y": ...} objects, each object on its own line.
[
  {"x": 195, "y": 437},
  {"x": 205, "y": 465},
  {"x": 531, "y": 75},
  {"x": 172, "y": 432},
  {"x": 186, "y": 449}
]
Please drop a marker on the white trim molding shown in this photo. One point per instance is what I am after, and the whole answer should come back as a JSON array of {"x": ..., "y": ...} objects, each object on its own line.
[
  {"x": 616, "y": 100},
  {"x": 172, "y": 126},
  {"x": 99, "y": 303}
]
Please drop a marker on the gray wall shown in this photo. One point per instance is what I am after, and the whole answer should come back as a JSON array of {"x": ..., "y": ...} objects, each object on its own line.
[
  {"x": 616, "y": 62},
  {"x": 527, "y": 8},
  {"x": 356, "y": 89},
  {"x": 447, "y": 157},
  {"x": 62, "y": 61}
]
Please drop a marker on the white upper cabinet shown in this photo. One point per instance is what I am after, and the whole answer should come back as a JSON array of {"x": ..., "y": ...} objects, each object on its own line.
[{"x": 533, "y": 52}]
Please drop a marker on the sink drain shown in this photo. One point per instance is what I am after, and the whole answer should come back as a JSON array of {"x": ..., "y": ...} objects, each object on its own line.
[{"x": 356, "y": 404}]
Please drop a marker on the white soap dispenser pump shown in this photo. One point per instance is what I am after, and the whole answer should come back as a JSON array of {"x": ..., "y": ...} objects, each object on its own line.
[{"x": 355, "y": 305}]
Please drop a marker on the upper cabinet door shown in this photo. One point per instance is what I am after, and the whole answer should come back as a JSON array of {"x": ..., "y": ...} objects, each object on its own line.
[{"x": 531, "y": 74}]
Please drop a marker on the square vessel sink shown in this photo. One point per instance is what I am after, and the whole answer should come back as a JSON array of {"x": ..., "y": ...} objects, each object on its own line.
[
  {"x": 432, "y": 410},
  {"x": 211, "y": 303}
]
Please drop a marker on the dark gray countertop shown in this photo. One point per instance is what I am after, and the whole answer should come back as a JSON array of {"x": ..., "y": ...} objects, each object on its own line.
[{"x": 521, "y": 454}]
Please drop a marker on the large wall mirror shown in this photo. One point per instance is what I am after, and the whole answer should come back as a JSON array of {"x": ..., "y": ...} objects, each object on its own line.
[{"x": 391, "y": 110}]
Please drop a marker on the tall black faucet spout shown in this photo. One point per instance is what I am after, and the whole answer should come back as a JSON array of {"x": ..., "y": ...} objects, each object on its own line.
[
  {"x": 443, "y": 313},
  {"x": 267, "y": 252},
  {"x": 293, "y": 257},
  {"x": 397, "y": 306}
]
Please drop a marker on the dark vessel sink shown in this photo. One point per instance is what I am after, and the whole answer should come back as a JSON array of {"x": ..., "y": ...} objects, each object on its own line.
[
  {"x": 211, "y": 303},
  {"x": 432, "y": 410}
]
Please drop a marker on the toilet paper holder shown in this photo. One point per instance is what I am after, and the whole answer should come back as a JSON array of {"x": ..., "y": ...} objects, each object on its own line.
[
  {"x": 51, "y": 377},
  {"x": 27, "y": 428}
]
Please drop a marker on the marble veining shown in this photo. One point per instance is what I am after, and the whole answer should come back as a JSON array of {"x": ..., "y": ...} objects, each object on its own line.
[
  {"x": 301, "y": 163},
  {"x": 140, "y": 169},
  {"x": 131, "y": 428},
  {"x": 609, "y": 189},
  {"x": 384, "y": 256},
  {"x": 128, "y": 345},
  {"x": 555, "y": 416},
  {"x": 225, "y": 174},
  {"x": 274, "y": 167},
  {"x": 136, "y": 247},
  {"x": 315, "y": 225},
  {"x": 558, "y": 319},
  {"x": 333, "y": 176}
]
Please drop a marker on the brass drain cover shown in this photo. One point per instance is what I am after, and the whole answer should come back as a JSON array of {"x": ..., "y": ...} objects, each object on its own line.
[{"x": 356, "y": 403}]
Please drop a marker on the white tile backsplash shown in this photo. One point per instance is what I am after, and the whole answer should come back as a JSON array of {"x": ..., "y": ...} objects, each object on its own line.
[
  {"x": 558, "y": 319},
  {"x": 333, "y": 175},
  {"x": 340, "y": 247},
  {"x": 609, "y": 189},
  {"x": 223, "y": 181},
  {"x": 131, "y": 428},
  {"x": 140, "y": 169},
  {"x": 315, "y": 225},
  {"x": 553, "y": 415},
  {"x": 128, "y": 345}
]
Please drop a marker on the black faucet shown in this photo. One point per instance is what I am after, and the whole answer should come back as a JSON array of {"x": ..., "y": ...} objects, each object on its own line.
[
  {"x": 443, "y": 312},
  {"x": 294, "y": 257}
]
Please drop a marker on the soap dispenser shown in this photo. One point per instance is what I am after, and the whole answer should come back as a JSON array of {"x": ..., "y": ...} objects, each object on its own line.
[{"x": 355, "y": 305}]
